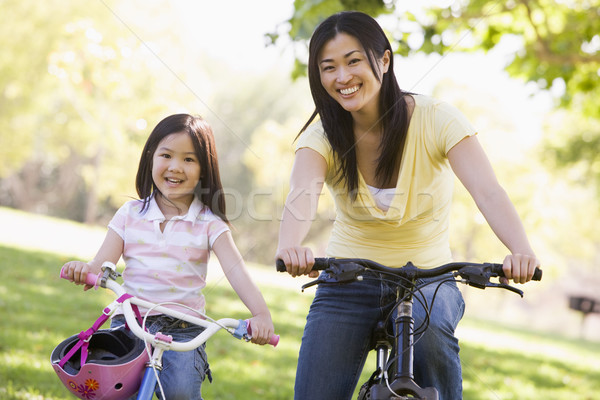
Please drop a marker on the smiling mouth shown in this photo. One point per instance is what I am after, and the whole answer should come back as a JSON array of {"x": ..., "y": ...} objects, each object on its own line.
[
  {"x": 171, "y": 180},
  {"x": 349, "y": 90}
]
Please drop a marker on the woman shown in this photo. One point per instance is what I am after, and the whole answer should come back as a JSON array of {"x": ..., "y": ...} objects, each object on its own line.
[{"x": 388, "y": 158}]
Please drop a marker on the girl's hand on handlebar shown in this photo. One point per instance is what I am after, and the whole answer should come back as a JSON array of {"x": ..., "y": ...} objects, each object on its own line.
[
  {"x": 262, "y": 329},
  {"x": 76, "y": 272},
  {"x": 298, "y": 261},
  {"x": 519, "y": 268}
]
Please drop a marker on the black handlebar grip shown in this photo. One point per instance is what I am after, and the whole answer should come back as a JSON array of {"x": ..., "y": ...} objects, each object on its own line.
[
  {"x": 320, "y": 264},
  {"x": 537, "y": 274},
  {"x": 280, "y": 265}
]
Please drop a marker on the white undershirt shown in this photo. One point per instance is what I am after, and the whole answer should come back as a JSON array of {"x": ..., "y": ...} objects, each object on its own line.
[{"x": 383, "y": 197}]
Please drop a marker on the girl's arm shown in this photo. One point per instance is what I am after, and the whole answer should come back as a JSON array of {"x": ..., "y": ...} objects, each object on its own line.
[
  {"x": 238, "y": 276},
  {"x": 472, "y": 167},
  {"x": 110, "y": 250},
  {"x": 306, "y": 184}
]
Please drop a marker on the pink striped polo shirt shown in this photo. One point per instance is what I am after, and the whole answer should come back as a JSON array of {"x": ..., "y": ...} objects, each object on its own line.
[{"x": 169, "y": 266}]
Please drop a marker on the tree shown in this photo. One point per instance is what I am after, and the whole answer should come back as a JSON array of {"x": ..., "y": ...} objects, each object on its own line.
[
  {"x": 557, "y": 48},
  {"x": 78, "y": 94}
]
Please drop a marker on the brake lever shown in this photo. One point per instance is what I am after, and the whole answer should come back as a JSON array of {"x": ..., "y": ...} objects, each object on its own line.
[
  {"x": 109, "y": 271},
  {"x": 480, "y": 278},
  {"x": 505, "y": 286},
  {"x": 338, "y": 273},
  {"x": 311, "y": 283}
]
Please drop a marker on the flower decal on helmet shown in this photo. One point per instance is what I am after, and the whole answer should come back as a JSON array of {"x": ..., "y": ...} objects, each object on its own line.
[
  {"x": 92, "y": 384},
  {"x": 85, "y": 392}
]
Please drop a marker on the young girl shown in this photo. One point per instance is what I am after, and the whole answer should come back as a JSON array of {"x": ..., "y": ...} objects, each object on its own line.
[
  {"x": 165, "y": 240},
  {"x": 388, "y": 158}
]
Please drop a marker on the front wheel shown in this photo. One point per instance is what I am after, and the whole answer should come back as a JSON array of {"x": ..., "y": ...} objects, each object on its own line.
[{"x": 365, "y": 393}]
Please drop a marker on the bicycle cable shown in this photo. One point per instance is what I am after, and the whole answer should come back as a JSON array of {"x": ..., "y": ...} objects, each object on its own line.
[
  {"x": 416, "y": 293},
  {"x": 397, "y": 282},
  {"x": 425, "y": 325}
]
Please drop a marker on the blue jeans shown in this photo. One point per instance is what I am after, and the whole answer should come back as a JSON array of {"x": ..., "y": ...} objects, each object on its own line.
[
  {"x": 183, "y": 372},
  {"x": 337, "y": 339}
]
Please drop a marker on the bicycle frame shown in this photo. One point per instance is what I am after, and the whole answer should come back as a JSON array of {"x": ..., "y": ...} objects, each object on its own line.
[{"x": 240, "y": 329}]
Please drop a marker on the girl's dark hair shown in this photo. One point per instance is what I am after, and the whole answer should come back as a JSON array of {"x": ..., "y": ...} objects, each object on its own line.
[
  {"x": 337, "y": 122},
  {"x": 209, "y": 189}
]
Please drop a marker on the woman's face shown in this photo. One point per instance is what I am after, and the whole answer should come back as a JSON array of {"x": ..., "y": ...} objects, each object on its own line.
[
  {"x": 347, "y": 76},
  {"x": 176, "y": 169}
]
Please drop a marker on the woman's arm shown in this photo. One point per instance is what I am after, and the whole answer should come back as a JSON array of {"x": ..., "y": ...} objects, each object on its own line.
[
  {"x": 240, "y": 280},
  {"x": 306, "y": 184},
  {"x": 472, "y": 167},
  {"x": 110, "y": 250}
]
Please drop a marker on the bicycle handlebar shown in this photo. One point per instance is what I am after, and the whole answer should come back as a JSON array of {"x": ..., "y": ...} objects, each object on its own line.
[
  {"x": 241, "y": 328},
  {"x": 90, "y": 279},
  {"x": 409, "y": 270},
  {"x": 343, "y": 270}
]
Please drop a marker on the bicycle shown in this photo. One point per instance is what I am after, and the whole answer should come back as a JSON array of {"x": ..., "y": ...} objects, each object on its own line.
[
  {"x": 117, "y": 363},
  {"x": 398, "y": 362}
]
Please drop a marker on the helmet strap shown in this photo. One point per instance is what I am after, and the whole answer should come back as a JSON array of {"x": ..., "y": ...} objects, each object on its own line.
[{"x": 85, "y": 336}]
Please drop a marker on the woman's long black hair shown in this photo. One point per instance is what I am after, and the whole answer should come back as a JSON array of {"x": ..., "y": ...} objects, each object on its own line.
[
  {"x": 337, "y": 122},
  {"x": 209, "y": 189}
]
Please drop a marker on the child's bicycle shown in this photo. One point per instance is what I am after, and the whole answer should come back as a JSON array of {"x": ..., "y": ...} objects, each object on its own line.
[
  {"x": 393, "y": 378},
  {"x": 116, "y": 363}
]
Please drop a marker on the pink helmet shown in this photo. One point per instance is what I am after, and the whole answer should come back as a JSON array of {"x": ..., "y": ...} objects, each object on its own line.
[{"x": 113, "y": 369}]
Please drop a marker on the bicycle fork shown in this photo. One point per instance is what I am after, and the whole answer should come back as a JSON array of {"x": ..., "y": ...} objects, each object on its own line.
[
  {"x": 150, "y": 379},
  {"x": 403, "y": 383}
]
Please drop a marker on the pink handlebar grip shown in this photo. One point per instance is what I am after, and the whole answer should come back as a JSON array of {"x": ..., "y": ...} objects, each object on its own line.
[
  {"x": 90, "y": 279},
  {"x": 274, "y": 338}
]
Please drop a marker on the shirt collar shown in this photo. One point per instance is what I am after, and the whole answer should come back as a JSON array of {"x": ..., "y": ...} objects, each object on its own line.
[
  {"x": 194, "y": 211},
  {"x": 153, "y": 212}
]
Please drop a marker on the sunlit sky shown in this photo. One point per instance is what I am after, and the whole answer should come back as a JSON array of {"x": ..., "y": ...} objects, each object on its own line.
[{"x": 233, "y": 31}]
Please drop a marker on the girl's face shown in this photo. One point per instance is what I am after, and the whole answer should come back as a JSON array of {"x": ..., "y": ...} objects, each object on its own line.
[
  {"x": 176, "y": 169},
  {"x": 347, "y": 76}
]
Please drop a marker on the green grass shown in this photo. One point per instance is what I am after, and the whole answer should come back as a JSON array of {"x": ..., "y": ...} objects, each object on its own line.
[
  {"x": 513, "y": 363},
  {"x": 37, "y": 313},
  {"x": 39, "y": 310}
]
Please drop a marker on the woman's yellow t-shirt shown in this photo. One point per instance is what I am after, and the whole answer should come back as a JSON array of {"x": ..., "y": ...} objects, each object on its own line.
[{"x": 415, "y": 228}]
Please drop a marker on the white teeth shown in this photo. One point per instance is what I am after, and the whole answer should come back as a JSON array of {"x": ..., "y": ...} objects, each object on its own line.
[
  {"x": 349, "y": 90},
  {"x": 174, "y": 180}
]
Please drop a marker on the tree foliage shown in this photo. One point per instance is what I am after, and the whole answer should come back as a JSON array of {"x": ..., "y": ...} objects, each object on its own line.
[
  {"x": 77, "y": 98},
  {"x": 559, "y": 50}
]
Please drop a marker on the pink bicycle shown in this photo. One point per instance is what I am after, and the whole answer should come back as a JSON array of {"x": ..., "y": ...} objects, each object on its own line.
[{"x": 116, "y": 363}]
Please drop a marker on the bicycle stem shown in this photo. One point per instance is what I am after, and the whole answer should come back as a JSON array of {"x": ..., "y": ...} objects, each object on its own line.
[{"x": 404, "y": 327}]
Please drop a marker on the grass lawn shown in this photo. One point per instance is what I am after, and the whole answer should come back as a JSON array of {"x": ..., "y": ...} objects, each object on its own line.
[{"x": 39, "y": 311}]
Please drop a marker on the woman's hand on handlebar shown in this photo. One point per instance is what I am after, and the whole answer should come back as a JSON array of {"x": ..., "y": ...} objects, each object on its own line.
[
  {"x": 519, "y": 267},
  {"x": 298, "y": 261},
  {"x": 76, "y": 272}
]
